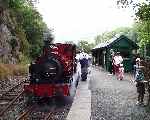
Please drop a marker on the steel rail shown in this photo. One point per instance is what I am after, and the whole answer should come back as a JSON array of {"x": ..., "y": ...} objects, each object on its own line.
[
  {"x": 22, "y": 116},
  {"x": 47, "y": 117},
  {"x": 11, "y": 103},
  {"x": 16, "y": 86},
  {"x": 50, "y": 113}
]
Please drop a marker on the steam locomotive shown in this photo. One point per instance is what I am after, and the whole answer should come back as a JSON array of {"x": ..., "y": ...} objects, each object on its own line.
[{"x": 54, "y": 72}]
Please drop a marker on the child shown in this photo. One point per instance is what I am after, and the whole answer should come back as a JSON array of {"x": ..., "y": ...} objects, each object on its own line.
[
  {"x": 120, "y": 75},
  {"x": 139, "y": 78},
  {"x": 140, "y": 87}
]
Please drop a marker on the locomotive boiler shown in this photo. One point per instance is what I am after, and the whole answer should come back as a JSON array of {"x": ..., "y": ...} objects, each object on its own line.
[{"x": 51, "y": 74}]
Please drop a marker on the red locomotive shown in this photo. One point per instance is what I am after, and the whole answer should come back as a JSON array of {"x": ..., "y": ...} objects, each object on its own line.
[{"x": 52, "y": 73}]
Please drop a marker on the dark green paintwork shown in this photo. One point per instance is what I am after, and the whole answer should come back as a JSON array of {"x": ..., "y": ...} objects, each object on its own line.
[{"x": 121, "y": 44}]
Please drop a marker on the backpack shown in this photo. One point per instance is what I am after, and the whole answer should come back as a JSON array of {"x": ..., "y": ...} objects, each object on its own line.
[{"x": 139, "y": 76}]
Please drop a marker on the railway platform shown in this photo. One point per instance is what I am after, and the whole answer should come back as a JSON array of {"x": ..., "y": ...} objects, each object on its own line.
[{"x": 81, "y": 106}]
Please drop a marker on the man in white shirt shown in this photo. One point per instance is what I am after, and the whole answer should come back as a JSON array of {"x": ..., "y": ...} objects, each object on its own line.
[{"x": 83, "y": 59}]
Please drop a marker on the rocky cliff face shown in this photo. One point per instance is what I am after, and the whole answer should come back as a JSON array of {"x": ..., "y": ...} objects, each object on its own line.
[{"x": 9, "y": 43}]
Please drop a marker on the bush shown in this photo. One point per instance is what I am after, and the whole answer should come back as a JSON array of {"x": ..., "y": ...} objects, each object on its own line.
[
  {"x": 4, "y": 72},
  {"x": 7, "y": 70},
  {"x": 24, "y": 59}
]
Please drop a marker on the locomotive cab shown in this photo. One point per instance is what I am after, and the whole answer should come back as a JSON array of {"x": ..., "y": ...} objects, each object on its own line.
[{"x": 52, "y": 73}]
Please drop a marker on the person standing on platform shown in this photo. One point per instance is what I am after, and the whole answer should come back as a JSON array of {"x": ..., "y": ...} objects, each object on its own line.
[
  {"x": 117, "y": 61},
  {"x": 111, "y": 57},
  {"x": 139, "y": 78},
  {"x": 83, "y": 58}
]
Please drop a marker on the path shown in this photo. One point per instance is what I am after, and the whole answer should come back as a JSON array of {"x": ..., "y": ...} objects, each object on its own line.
[{"x": 114, "y": 100}]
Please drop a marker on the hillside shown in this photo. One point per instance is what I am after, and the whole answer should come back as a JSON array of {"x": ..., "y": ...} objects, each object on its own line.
[
  {"x": 9, "y": 40},
  {"x": 21, "y": 31}
]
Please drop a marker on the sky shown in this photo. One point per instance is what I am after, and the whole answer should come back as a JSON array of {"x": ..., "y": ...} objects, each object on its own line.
[{"x": 75, "y": 20}]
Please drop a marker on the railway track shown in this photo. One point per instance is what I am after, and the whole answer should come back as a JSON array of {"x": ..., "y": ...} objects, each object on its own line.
[
  {"x": 58, "y": 113},
  {"x": 6, "y": 85},
  {"x": 10, "y": 98},
  {"x": 24, "y": 115},
  {"x": 11, "y": 103},
  {"x": 4, "y": 93},
  {"x": 47, "y": 110},
  {"x": 14, "y": 107}
]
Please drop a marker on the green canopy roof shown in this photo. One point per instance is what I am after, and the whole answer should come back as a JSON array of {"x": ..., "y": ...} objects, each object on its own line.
[{"x": 114, "y": 40}]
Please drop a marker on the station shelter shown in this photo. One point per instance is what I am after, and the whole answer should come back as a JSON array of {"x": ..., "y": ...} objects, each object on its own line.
[{"x": 102, "y": 53}]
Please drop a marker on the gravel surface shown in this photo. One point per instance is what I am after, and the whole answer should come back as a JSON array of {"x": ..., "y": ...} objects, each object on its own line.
[
  {"x": 11, "y": 82},
  {"x": 113, "y": 99},
  {"x": 58, "y": 110}
]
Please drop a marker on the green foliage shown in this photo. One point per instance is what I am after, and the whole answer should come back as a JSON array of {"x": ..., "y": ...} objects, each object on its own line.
[
  {"x": 24, "y": 60},
  {"x": 143, "y": 12},
  {"x": 85, "y": 46},
  {"x": 29, "y": 28},
  {"x": 131, "y": 3},
  {"x": 108, "y": 35},
  {"x": 104, "y": 37},
  {"x": 13, "y": 43},
  {"x": 69, "y": 42},
  {"x": 143, "y": 37},
  {"x": 24, "y": 44},
  {"x": 142, "y": 27},
  {"x": 15, "y": 4}
]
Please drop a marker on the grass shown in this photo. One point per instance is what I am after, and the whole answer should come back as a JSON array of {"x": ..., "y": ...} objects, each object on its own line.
[{"x": 7, "y": 70}]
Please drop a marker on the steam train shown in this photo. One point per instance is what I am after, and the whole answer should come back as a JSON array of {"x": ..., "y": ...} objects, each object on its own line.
[{"x": 53, "y": 73}]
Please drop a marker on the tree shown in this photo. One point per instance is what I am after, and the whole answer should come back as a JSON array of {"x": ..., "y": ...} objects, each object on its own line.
[
  {"x": 143, "y": 28},
  {"x": 104, "y": 37},
  {"x": 143, "y": 12},
  {"x": 69, "y": 42},
  {"x": 130, "y": 3},
  {"x": 142, "y": 25},
  {"x": 30, "y": 23},
  {"x": 85, "y": 46},
  {"x": 121, "y": 31}
]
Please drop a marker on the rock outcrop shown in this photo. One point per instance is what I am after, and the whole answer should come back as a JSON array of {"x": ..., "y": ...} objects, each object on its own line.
[{"x": 9, "y": 43}]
